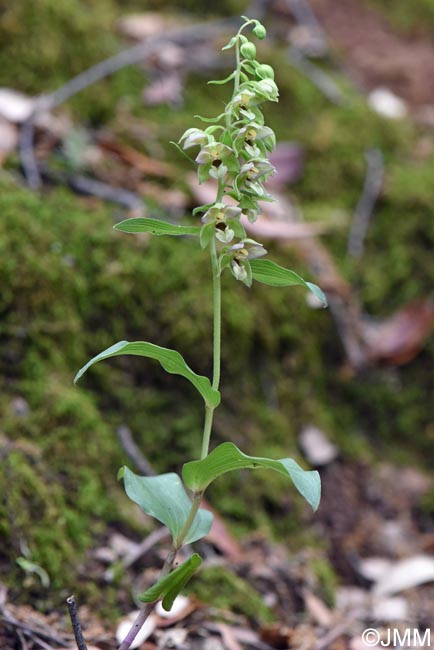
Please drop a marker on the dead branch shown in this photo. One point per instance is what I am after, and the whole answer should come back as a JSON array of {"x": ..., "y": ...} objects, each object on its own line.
[
  {"x": 73, "y": 614},
  {"x": 365, "y": 207},
  {"x": 32, "y": 630},
  {"x": 133, "y": 452},
  {"x": 132, "y": 55},
  {"x": 318, "y": 77}
]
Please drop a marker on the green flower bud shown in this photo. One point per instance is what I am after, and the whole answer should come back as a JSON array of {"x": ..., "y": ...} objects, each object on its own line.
[
  {"x": 265, "y": 71},
  {"x": 248, "y": 50},
  {"x": 260, "y": 31}
]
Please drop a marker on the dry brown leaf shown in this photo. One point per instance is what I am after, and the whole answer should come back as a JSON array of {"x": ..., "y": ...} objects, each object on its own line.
[
  {"x": 277, "y": 635},
  {"x": 220, "y": 536},
  {"x": 397, "y": 339},
  {"x": 140, "y": 161},
  {"x": 228, "y": 637},
  {"x": 171, "y": 198},
  {"x": 318, "y": 609}
]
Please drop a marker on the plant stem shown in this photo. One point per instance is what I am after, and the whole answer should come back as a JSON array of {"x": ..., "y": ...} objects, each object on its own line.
[
  {"x": 238, "y": 68},
  {"x": 217, "y": 304},
  {"x": 209, "y": 411},
  {"x": 144, "y": 614},
  {"x": 167, "y": 566},
  {"x": 192, "y": 514}
]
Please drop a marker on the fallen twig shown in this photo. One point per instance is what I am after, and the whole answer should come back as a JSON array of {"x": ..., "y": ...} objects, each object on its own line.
[
  {"x": 92, "y": 187},
  {"x": 157, "y": 535},
  {"x": 36, "y": 632},
  {"x": 318, "y": 77},
  {"x": 133, "y": 451},
  {"x": 135, "y": 54},
  {"x": 73, "y": 614},
  {"x": 364, "y": 209}
]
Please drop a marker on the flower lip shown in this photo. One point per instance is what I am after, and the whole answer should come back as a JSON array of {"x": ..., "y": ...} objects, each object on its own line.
[
  {"x": 213, "y": 153},
  {"x": 219, "y": 212},
  {"x": 248, "y": 249},
  {"x": 255, "y": 169}
]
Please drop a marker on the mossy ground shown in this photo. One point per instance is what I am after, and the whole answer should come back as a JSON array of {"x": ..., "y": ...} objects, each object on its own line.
[{"x": 71, "y": 286}]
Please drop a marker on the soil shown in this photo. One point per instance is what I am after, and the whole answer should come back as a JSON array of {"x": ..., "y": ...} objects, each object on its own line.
[{"x": 375, "y": 54}]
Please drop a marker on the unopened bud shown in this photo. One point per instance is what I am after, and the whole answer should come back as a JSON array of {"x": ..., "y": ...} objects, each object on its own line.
[
  {"x": 265, "y": 71},
  {"x": 248, "y": 50},
  {"x": 260, "y": 31}
]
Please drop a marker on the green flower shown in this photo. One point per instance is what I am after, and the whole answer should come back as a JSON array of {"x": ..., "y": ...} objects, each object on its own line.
[
  {"x": 213, "y": 154},
  {"x": 249, "y": 249},
  {"x": 257, "y": 134},
  {"x": 267, "y": 89},
  {"x": 219, "y": 215},
  {"x": 241, "y": 253},
  {"x": 251, "y": 176},
  {"x": 194, "y": 137},
  {"x": 256, "y": 169},
  {"x": 220, "y": 212}
]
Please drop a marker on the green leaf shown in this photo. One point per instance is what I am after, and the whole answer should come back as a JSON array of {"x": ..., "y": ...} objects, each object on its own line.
[
  {"x": 171, "y": 585},
  {"x": 220, "y": 82},
  {"x": 184, "y": 153},
  {"x": 198, "y": 474},
  {"x": 237, "y": 227},
  {"x": 230, "y": 44},
  {"x": 203, "y": 172},
  {"x": 164, "y": 497},
  {"x": 155, "y": 227},
  {"x": 206, "y": 234},
  {"x": 202, "y": 208},
  {"x": 30, "y": 567},
  {"x": 274, "y": 275},
  {"x": 210, "y": 120},
  {"x": 171, "y": 361}
]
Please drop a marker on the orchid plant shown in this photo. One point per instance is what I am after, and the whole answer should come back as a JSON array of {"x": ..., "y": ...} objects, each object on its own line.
[{"x": 233, "y": 150}]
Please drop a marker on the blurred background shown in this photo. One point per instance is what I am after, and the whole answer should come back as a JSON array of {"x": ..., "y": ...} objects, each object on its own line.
[{"x": 348, "y": 390}]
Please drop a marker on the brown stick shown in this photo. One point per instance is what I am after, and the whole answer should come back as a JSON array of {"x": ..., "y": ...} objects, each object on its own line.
[
  {"x": 365, "y": 207},
  {"x": 73, "y": 615},
  {"x": 136, "y": 54}
]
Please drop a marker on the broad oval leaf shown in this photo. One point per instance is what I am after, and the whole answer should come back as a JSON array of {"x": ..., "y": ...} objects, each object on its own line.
[
  {"x": 198, "y": 474},
  {"x": 268, "y": 272},
  {"x": 171, "y": 585},
  {"x": 171, "y": 361},
  {"x": 155, "y": 227},
  {"x": 164, "y": 497}
]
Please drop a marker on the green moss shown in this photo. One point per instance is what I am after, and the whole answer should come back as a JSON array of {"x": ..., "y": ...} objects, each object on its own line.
[
  {"x": 223, "y": 589},
  {"x": 327, "y": 579},
  {"x": 46, "y": 44},
  {"x": 71, "y": 286}
]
